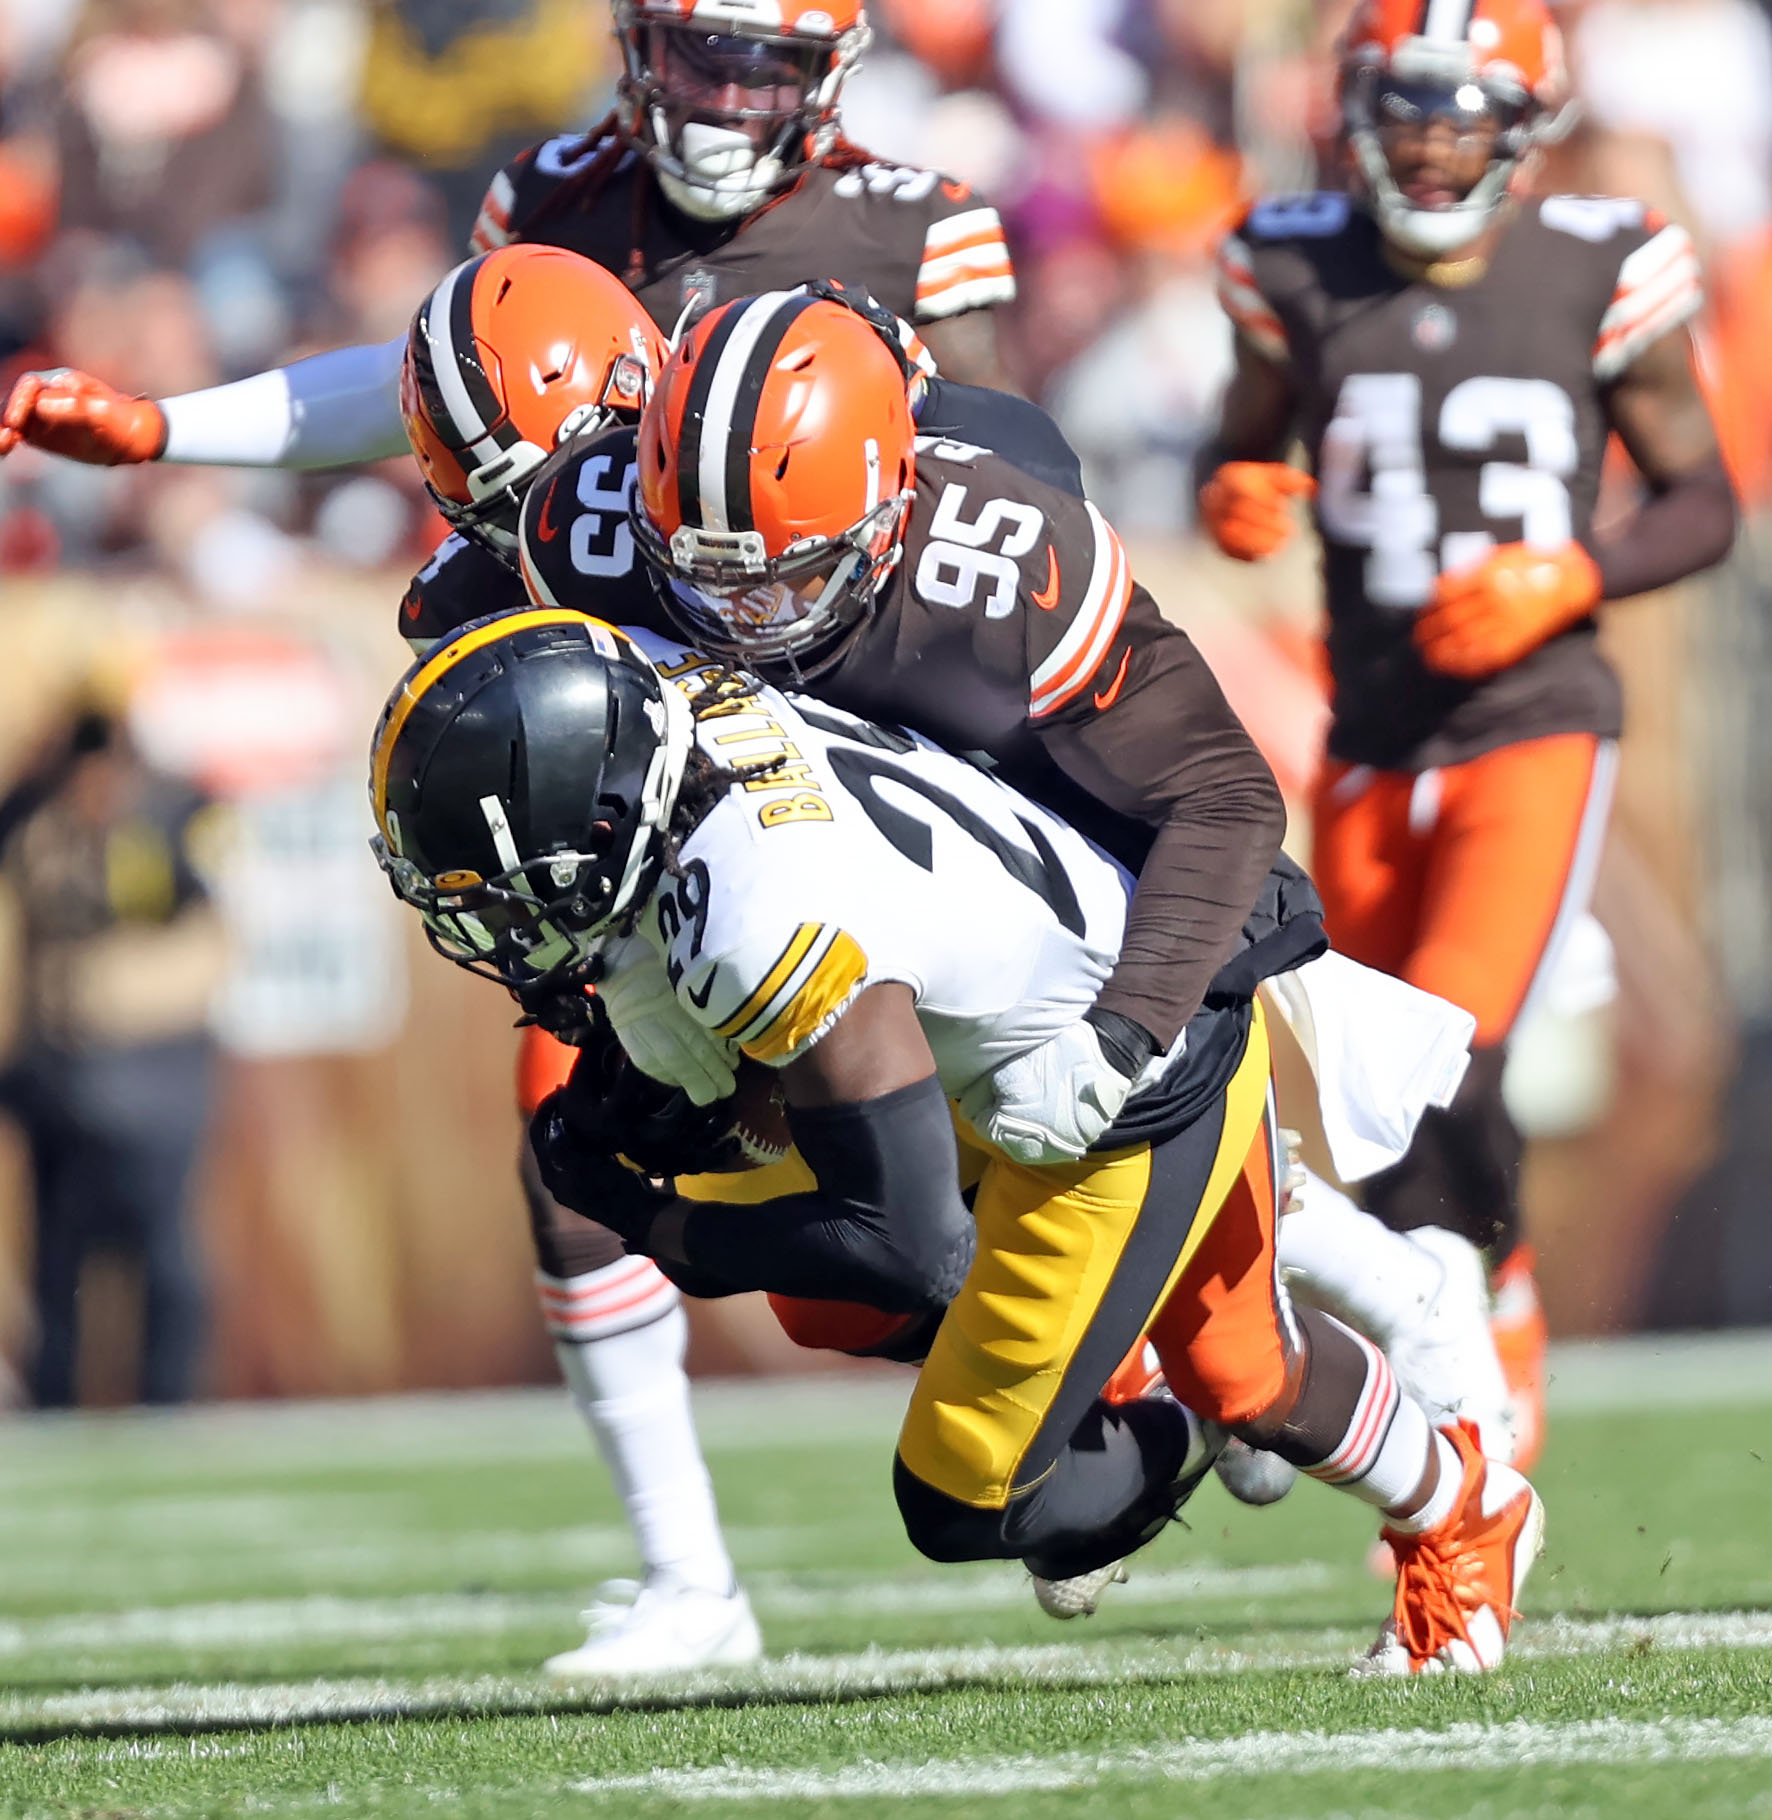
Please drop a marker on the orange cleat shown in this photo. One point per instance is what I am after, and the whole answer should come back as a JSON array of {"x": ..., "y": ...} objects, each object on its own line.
[
  {"x": 1457, "y": 1585},
  {"x": 1516, "y": 1321}
]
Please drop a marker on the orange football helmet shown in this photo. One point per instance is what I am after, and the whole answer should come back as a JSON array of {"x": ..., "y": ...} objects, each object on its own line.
[
  {"x": 777, "y": 462},
  {"x": 1485, "y": 67},
  {"x": 513, "y": 353},
  {"x": 728, "y": 99}
]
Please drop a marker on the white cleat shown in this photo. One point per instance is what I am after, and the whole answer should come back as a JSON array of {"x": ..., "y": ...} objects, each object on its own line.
[
  {"x": 1252, "y": 1475},
  {"x": 1447, "y": 1360},
  {"x": 660, "y": 1628},
  {"x": 1078, "y": 1596}
]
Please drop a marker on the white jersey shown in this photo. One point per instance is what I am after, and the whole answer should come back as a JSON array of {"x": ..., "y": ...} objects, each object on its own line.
[{"x": 863, "y": 855}]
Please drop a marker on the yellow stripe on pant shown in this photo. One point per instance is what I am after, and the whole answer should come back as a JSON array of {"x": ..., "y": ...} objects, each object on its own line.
[{"x": 1049, "y": 1241}]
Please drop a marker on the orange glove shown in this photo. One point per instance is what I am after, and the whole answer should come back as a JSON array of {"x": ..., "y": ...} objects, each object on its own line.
[
  {"x": 70, "y": 413},
  {"x": 1244, "y": 506},
  {"x": 1484, "y": 618}
]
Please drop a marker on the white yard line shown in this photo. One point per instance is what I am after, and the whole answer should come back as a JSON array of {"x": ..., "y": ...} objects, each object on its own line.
[
  {"x": 866, "y": 1672},
  {"x": 1517, "y": 1744},
  {"x": 327, "y": 1618}
]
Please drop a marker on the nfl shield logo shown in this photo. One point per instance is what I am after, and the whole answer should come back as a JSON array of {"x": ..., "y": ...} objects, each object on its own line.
[
  {"x": 700, "y": 288},
  {"x": 1435, "y": 328}
]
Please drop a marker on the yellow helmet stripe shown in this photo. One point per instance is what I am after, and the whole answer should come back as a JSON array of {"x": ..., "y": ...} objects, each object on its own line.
[{"x": 433, "y": 667}]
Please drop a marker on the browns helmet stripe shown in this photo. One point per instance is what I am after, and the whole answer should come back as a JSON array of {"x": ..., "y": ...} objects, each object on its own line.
[
  {"x": 695, "y": 411},
  {"x": 735, "y": 368},
  {"x": 1447, "y": 21},
  {"x": 460, "y": 398},
  {"x": 741, "y": 416}
]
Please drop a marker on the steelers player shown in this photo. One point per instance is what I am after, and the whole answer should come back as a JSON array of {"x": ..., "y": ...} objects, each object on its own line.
[
  {"x": 1453, "y": 356},
  {"x": 887, "y": 926},
  {"x": 722, "y": 170}
]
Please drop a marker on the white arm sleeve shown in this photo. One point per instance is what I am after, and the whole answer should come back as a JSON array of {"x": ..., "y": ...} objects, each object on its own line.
[{"x": 328, "y": 411}]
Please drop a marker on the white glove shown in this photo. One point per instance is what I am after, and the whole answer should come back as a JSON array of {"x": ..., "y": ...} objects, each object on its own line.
[
  {"x": 661, "y": 1038},
  {"x": 1050, "y": 1105}
]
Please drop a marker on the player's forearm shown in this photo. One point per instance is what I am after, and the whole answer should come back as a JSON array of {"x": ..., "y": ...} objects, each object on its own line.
[
  {"x": 1170, "y": 753},
  {"x": 885, "y": 1227},
  {"x": 1205, "y": 870},
  {"x": 331, "y": 410},
  {"x": 1685, "y": 526}
]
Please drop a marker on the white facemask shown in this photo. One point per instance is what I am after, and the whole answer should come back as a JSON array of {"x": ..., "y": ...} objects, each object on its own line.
[{"x": 718, "y": 175}]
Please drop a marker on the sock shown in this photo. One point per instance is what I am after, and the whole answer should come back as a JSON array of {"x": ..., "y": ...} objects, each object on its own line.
[
  {"x": 1441, "y": 1499},
  {"x": 1340, "y": 1259},
  {"x": 1379, "y": 1452},
  {"x": 631, "y": 1389}
]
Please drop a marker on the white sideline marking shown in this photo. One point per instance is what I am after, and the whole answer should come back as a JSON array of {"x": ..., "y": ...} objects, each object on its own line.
[
  {"x": 1009, "y": 1587},
  {"x": 281, "y": 1622},
  {"x": 865, "y": 1672},
  {"x": 325, "y": 1617},
  {"x": 1516, "y": 1744}
]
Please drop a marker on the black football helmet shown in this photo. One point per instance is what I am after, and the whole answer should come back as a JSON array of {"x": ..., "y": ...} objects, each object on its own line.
[{"x": 522, "y": 776}]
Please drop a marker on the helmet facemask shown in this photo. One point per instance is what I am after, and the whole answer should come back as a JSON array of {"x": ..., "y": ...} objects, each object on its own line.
[
  {"x": 495, "y": 488},
  {"x": 735, "y": 601},
  {"x": 1428, "y": 88},
  {"x": 541, "y": 920},
  {"x": 718, "y": 156}
]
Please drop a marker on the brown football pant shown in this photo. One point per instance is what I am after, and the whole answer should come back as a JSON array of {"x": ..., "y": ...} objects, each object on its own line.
[{"x": 1464, "y": 881}]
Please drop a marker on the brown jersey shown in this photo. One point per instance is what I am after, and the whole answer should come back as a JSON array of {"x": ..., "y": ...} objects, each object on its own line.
[
  {"x": 920, "y": 243},
  {"x": 1441, "y": 421},
  {"x": 1013, "y": 633}
]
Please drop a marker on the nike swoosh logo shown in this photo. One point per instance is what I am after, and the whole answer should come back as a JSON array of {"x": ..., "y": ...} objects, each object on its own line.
[
  {"x": 1105, "y": 698},
  {"x": 545, "y": 529},
  {"x": 1047, "y": 597},
  {"x": 700, "y": 999}
]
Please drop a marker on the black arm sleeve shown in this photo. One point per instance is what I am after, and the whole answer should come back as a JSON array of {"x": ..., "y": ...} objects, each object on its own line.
[
  {"x": 1167, "y": 750},
  {"x": 885, "y": 1227}
]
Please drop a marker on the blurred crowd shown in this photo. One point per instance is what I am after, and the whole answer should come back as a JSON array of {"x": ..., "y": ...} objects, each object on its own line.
[{"x": 191, "y": 190}]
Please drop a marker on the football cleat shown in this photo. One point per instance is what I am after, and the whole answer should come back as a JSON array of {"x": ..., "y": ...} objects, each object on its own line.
[
  {"x": 660, "y": 1628},
  {"x": 1078, "y": 1595},
  {"x": 1062, "y": 1595},
  {"x": 1252, "y": 1475},
  {"x": 1446, "y": 1360},
  {"x": 1458, "y": 1585},
  {"x": 1516, "y": 1321}
]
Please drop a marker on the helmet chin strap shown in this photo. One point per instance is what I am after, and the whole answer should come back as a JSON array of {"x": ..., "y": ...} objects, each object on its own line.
[{"x": 718, "y": 175}]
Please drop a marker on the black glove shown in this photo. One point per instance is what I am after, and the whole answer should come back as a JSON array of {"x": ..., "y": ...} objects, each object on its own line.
[
  {"x": 616, "y": 1109},
  {"x": 592, "y": 1182}
]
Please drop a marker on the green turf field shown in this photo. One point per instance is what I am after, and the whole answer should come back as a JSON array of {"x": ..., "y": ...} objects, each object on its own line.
[{"x": 292, "y": 1609}]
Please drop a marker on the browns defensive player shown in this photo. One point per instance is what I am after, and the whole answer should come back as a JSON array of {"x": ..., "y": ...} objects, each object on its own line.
[
  {"x": 954, "y": 593},
  {"x": 723, "y": 169},
  {"x": 1453, "y": 357}
]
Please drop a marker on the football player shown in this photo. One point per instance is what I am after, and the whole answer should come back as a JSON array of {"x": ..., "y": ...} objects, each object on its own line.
[
  {"x": 723, "y": 169},
  {"x": 1454, "y": 356},
  {"x": 887, "y": 926},
  {"x": 799, "y": 527}
]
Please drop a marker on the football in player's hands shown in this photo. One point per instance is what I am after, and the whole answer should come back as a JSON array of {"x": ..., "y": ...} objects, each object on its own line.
[
  {"x": 759, "y": 1113},
  {"x": 612, "y": 1107}
]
